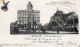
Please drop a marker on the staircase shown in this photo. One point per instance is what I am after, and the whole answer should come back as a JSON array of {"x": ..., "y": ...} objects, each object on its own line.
[{"x": 60, "y": 22}]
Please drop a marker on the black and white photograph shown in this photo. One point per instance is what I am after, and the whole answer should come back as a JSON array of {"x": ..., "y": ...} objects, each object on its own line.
[{"x": 28, "y": 22}]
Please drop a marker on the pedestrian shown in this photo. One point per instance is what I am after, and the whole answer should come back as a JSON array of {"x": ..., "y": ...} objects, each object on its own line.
[
  {"x": 57, "y": 31},
  {"x": 43, "y": 29}
]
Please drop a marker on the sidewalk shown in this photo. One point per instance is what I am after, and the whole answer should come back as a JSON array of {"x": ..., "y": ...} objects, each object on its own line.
[{"x": 62, "y": 32}]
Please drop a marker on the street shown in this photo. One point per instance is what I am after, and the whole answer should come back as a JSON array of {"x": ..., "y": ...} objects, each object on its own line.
[{"x": 46, "y": 32}]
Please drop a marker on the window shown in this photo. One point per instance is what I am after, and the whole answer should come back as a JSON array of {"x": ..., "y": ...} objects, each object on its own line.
[
  {"x": 26, "y": 22},
  {"x": 17, "y": 22},
  {"x": 21, "y": 22}
]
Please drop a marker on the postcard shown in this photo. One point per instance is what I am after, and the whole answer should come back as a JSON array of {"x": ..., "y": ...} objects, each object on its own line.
[{"x": 39, "y": 23}]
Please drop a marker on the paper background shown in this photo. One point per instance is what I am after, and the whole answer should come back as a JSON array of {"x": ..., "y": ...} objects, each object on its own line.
[{"x": 46, "y": 11}]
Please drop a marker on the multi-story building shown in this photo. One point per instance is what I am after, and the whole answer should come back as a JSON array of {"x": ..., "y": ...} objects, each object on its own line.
[{"x": 28, "y": 18}]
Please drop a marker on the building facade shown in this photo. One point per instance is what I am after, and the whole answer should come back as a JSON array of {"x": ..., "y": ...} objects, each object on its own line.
[{"x": 28, "y": 18}]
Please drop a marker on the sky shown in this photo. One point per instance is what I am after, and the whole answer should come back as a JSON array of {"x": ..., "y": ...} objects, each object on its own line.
[{"x": 46, "y": 8}]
